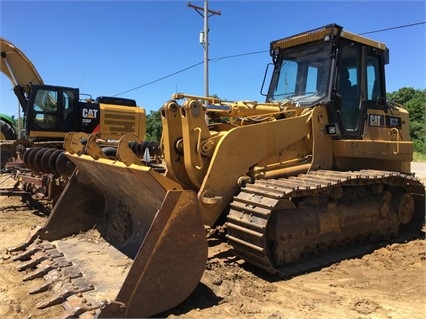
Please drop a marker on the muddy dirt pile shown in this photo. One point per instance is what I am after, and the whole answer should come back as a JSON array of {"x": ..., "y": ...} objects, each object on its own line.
[{"x": 388, "y": 283}]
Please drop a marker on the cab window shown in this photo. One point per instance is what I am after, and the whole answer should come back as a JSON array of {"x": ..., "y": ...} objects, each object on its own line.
[
  {"x": 46, "y": 109},
  {"x": 349, "y": 86},
  {"x": 374, "y": 89}
]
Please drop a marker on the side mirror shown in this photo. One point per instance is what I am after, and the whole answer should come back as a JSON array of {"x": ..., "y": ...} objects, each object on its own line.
[{"x": 269, "y": 70}]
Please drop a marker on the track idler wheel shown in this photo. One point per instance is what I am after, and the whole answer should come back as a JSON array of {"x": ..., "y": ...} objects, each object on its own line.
[{"x": 403, "y": 204}]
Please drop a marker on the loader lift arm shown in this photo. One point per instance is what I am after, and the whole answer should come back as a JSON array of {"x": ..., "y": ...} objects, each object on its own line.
[{"x": 207, "y": 153}]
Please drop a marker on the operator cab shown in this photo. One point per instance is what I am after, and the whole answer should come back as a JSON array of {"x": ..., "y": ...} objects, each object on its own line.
[
  {"x": 333, "y": 67},
  {"x": 52, "y": 111}
]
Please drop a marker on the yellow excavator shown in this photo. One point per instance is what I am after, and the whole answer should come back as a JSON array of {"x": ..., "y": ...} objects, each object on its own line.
[
  {"x": 49, "y": 112},
  {"x": 317, "y": 173}
]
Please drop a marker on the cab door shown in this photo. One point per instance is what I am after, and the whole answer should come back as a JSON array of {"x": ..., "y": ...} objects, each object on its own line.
[
  {"x": 361, "y": 86},
  {"x": 50, "y": 111}
]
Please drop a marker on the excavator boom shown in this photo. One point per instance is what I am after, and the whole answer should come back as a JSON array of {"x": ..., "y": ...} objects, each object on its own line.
[
  {"x": 16, "y": 66},
  {"x": 19, "y": 69}
]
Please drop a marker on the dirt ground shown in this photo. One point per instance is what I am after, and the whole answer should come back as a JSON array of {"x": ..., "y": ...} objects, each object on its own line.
[{"x": 388, "y": 283}]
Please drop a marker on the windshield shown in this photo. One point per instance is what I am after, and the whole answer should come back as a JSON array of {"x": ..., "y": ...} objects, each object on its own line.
[{"x": 301, "y": 75}]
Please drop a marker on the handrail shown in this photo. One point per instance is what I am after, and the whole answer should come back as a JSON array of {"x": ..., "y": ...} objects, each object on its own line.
[{"x": 394, "y": 129}]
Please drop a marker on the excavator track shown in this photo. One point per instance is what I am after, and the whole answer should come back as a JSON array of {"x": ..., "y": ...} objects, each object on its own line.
[{"x": 293, "y": 225}]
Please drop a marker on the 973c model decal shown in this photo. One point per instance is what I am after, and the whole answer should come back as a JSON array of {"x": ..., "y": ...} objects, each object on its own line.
[
  {"x": 393, "y": 121},
  {"x": 376, "y": 120}
]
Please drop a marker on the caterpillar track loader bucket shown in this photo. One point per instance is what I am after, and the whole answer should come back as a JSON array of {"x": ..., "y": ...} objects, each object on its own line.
[{"x": 122, "y": 241}]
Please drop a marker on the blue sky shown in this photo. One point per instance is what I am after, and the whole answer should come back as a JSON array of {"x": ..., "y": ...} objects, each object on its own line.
[{"x": 109, "y": 47}]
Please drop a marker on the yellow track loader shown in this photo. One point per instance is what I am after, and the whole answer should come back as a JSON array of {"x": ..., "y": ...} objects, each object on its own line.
[{"x": 317, "y": 173}]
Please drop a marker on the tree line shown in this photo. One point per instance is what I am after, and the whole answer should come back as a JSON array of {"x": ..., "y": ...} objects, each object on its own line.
[{"x": 414, "y": 101}]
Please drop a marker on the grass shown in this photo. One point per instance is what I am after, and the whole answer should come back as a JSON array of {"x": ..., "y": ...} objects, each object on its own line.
[{"x": 419, "y": 157}]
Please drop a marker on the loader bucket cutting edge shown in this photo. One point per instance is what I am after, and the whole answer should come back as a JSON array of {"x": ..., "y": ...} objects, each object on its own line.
[{"x": 139, "y": 243}]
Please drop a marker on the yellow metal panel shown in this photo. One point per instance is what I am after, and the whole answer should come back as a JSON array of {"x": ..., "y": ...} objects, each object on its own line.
[
  {"x": 364, "y": 40},
  {"x": 116, "y": 120},
  {"x": 303, "y": 38},
  {"x": 381, "y": 131},
  {"x": 373, "y": 149},
  {"x": 320, "y": 34},
  {"x": 239, "y": 150},
  {"x": 322, "y": 156}
]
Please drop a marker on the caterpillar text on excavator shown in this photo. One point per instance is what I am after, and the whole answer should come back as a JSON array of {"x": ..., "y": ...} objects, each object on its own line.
[{"x": 317, "y": 173}]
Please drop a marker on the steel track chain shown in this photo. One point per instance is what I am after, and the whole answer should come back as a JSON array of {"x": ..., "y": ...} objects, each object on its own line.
[{"x": 252, "y": 208}]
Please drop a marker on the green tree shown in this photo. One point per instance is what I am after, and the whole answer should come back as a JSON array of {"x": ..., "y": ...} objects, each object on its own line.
[
  {"x": 414, "y": 101},
  {"x": 153, "y": 126}
]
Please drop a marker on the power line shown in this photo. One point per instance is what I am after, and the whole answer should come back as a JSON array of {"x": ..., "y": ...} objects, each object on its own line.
[
  {"x": 237, "y": 55},
  {"x": 190, "y": 67},
  {"x": 252, "y": 53},
  {"x": 162, "y": 78},
  {"x": 393, "y": 28}
]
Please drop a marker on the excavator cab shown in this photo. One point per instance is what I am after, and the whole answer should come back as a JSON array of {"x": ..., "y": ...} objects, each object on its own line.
[{"x": 51, "y": 109}]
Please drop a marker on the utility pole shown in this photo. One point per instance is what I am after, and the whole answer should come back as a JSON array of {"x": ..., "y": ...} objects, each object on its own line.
[{"x": 204, "y": 39}]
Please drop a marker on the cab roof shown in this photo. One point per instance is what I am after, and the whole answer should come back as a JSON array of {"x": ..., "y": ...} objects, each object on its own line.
[{"x": 325, "y": 33}]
